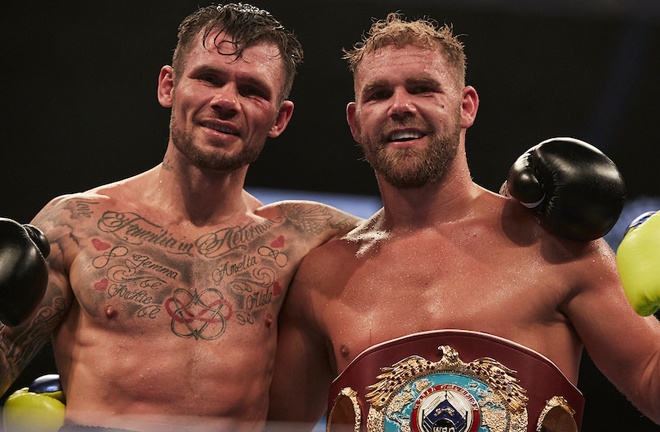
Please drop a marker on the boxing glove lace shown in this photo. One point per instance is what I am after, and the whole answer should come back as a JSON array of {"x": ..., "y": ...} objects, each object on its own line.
[
  {"x": 576, "y": 187},
  {"x": 23, "y": 272}
]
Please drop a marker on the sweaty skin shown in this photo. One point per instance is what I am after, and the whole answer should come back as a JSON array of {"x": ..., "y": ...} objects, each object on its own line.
[
  {"x": 154, "y": 318},
  {"x": 165, "y": 288},
  {"x": 444, "y": 253}
]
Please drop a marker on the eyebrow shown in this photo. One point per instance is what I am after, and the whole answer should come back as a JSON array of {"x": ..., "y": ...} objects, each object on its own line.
[
  {"x": 202, "y": 69},
  {"x": 243, "y": 79},
  {"x": 425, "y": 80},
  {"x": 373, "y": 85},
  {"x": 381, "y": 83}
]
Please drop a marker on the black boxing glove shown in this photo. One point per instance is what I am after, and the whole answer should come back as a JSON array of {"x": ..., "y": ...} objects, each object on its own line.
[
  {"x": 23, "y": 272},
  {"x": 576, "y": 187}
]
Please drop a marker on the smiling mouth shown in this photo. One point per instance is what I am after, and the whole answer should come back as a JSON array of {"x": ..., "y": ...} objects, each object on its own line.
[
  {"x": 405, "y": 136},
  {"x": 220, "y": 128}
]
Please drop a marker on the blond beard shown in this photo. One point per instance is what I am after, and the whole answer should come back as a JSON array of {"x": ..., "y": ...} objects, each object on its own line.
[{"x": 413, "y": 167}]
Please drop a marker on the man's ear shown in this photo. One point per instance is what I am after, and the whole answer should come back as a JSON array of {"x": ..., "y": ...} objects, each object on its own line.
[
  {"x": 165, "y": 86},
  {"x": 351, "y": 110},
  {"x": 282, "y": 119},
  {"x": 469, "y": 107}
]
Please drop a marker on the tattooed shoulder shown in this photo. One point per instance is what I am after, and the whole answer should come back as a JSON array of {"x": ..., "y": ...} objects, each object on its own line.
[
  {"x": 315, "y": 218},
  {"x": 76, "y": 208}
]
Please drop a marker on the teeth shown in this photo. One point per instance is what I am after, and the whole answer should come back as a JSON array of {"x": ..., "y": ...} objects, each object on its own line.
[
  {"x": 220, "y": 129},
  {"x": 406, "y": 135}
]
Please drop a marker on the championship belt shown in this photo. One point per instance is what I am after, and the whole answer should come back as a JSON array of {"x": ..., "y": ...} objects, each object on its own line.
[{"x": 453, "y": 381}]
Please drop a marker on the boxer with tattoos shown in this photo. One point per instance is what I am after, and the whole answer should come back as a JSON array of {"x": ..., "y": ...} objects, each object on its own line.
[{"x": 164, "y": 288}]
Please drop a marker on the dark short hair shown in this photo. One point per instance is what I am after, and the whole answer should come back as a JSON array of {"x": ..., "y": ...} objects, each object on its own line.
[{"x": 247, "y": 25}]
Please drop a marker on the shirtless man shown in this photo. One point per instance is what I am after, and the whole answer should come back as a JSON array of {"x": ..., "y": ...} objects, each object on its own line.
[
  {"x": 164, "y": 288},
  {"x": 447, "y": 263}
]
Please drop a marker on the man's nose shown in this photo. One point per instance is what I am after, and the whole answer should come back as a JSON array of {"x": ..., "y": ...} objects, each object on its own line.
[
  {"x": 225, "y": 99},
  {"x": 402, "y": 104}
]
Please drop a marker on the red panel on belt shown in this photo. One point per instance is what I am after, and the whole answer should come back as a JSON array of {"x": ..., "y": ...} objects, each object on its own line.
[{"x": 454, "y": 381}]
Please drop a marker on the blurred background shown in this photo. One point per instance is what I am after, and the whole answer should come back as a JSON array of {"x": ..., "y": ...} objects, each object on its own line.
[{"x": 78, "y": 84}]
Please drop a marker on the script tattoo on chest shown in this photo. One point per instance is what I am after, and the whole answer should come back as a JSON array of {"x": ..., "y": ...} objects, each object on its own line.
[
  {"x": 232, "y": 239},
  {"x": 129, "y": 276},
  {"x": 137, "y": 230},
  {"x": 241, "y": 273}
]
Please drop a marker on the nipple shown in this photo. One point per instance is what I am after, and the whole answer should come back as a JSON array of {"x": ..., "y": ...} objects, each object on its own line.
[
  {"x": 110, "y": 312},
  {"x": 268, "y": 321}
]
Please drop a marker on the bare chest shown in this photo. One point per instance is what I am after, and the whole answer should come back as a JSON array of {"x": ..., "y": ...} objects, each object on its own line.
[
  {"x": 478, "y": 289},
  {"x": 130, "y": 271}
]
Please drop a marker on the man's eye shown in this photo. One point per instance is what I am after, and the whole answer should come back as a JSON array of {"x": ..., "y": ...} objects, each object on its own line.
[
  {"x": 252, "y": 91},
  {"x": 421, "y": 89},
  {"x": 378, "y": 95},
  {"x": 425, "y": 88},
  {"x": 211, "y": 79}
]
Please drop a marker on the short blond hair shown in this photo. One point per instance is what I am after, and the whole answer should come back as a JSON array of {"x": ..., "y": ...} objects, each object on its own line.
[{"x": 396, "y": 30}]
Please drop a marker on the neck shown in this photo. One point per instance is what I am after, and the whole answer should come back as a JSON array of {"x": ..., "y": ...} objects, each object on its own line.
[
  {"x": 445, "y": 201},
  {"x": 202, "y": 197}
]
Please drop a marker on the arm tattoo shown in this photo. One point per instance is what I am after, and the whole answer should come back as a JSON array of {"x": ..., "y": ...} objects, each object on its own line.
[
  {"x": 29, "y": 339},
  {"x": 82, "y": 208},
  {"x": 315, "y": 218}
]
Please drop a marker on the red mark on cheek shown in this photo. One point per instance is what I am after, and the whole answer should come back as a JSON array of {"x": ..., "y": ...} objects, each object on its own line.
[
  {"x": 100, "y": 245},
  {"x": 277, "y": 289},
  {"x": 101, "y": 285},
  {"x": 278, "y": 242}
]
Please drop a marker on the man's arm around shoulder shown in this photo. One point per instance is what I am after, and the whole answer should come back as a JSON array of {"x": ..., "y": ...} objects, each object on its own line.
[{"x": 303, "y": 373}]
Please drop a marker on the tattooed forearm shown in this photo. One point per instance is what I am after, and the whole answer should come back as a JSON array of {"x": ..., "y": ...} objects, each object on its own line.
[{"x": 27, "y": 340}]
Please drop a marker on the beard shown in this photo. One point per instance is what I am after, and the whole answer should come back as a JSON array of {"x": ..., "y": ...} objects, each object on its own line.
[
  {"x": 184, "y": 141},
  {"x": 413, "y": 167}
]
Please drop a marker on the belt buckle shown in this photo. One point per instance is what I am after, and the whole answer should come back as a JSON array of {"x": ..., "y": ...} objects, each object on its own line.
[{"x": 419, "y": 395}]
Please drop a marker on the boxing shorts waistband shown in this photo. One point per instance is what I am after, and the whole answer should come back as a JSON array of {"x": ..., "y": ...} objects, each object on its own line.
[{"x": 453, "y": 381}]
